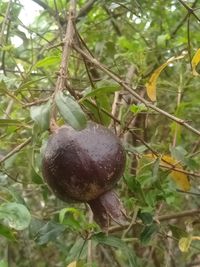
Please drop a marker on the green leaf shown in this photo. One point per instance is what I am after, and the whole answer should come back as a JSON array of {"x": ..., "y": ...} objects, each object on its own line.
[
  {"x": 3, "y": 263},
  {"x": 15, "y": 215},
  {"x": 49, "y": 232},
  {"x": 155, "y": 168},
  {"x": 177, "y": 231},
  {"x": 47, "y": 61},
  {"x": 146, "y": 217},
  {"x": 6, "y": 232},
  {"x": 161, "y": 40},
  {"x": 102, "y": 91},
  {"x": 78, "y": 251},
  {"x": 138, "y": 108},
  {"x": 178, "y": 153},
  {"x": 3, "y": 86},
  {"x": 9, "y": 122},
  {"x": 147, "y": 233},
  {"x": 7, "y": 48},
  {"x": 70, "y": 217},
  {"x": 35, "y": 177},
  {"x": 71, "y": 111},
  {"x": 63, "y": 212},
  {"x": 29, "y": 83},
  {"x": 41, "y": 115},
  {"x": 117, "y": 243}
]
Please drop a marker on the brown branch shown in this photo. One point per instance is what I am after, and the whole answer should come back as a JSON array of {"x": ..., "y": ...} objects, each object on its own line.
[
  {"x": 178, "y": 215},
  {"x": 7, "y": 22},
  {"x": 15, "y": 150},
  {"x": 193, "y": 264},
  {"x": 66, "y": 48},
  {"x": 82, "y": 12},
  {"x": 50, "y": 10},
  {"x": 180, "y": 24},
  {"x": 90, "y": 247},
  {"x": 161, "y": 218},
  {"x": 86, "y": 8},
  {"x": 62, "y": 77},
  {"x": 113, "y": 21},
  {"x": 36, "y": 102},
  {"x": 133, "y": 93},
  {"x": 189, "y": 9},
  {"x": 171, "y": 167},
  {"x": 6, "y": 18},
  {"x": 189, "y": 43}
]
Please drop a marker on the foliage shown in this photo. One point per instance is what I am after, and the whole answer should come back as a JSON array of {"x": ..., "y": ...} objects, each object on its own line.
[{"x": 138, "y": 42}]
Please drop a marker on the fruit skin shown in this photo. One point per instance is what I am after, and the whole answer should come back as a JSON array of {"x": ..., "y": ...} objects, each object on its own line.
[{"x": 83, "y": 165}]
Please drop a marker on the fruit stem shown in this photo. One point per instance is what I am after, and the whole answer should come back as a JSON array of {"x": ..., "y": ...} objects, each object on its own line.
[
  {"x": 53, "y": 126},
  {"x": 106, "y": 207}
]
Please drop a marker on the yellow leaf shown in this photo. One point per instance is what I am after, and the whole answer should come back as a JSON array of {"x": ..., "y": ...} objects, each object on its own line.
[
  {"x": 151, "y": 84},
  {"x": 195, "y": 237},
  {"x": 72, "y": 264},
  {"x": 184, "y": 243},
  {"x": 180, "y": 178},
  {"x": 79, "y": 263},
  {"x": 195, "y": 62}
]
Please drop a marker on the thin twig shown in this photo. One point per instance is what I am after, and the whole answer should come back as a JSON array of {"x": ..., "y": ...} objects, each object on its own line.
[
  {"x": 132, "y": 91},
  {"x": 177, "y": 106},
  {"x": 36, "y": 102},
  {"x": 15, "y": 150},
  {"x": 171, "y": 166},
  {"x": 86, "y": 8},
  {"x": 161, "y": 218},
  {"x": 90, "y": 247},
  {"x": 190, "y": 10},
  {"x": 50, "y": 10},
  {"x": 133, "y": 220},
  {"x": 5, "y": 22},
  {"x": 183, "y": 20},
  {"x": 82, "y": 12},
  {"x": 8, "y": 109},
  {"x": 188, "y": 40},
  {"x": 183, "y": 214},
  {"x": 60, "y": 85}
]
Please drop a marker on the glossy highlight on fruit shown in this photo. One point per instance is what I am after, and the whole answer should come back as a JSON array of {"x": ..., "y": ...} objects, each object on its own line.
[{"x": 82, "y": 165}]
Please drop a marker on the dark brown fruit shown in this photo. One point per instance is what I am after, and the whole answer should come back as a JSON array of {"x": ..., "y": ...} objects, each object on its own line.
[{"x": 82, "y": 165}]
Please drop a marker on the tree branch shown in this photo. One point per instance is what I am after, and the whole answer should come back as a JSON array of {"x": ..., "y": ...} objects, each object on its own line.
[
  {"x": 189, "y": 9},
  {"x": 50, "y": 10},
  {"x": 133, "y": 93},
  {"x": 161, "y": 218},
  {"x": 15, "y": 150},
  {"x": 86, "y": 8},
  {"x": 82, "y": 12},
  {"x": 182, "y": 21},
  {"x": 62, "y": 77}
]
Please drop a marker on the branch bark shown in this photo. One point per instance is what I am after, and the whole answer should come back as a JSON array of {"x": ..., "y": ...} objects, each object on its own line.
[
  {"x": 82, "y": 12},
  {"x": 161, "y": 218},
  {"x": 62, "y": 77}
]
